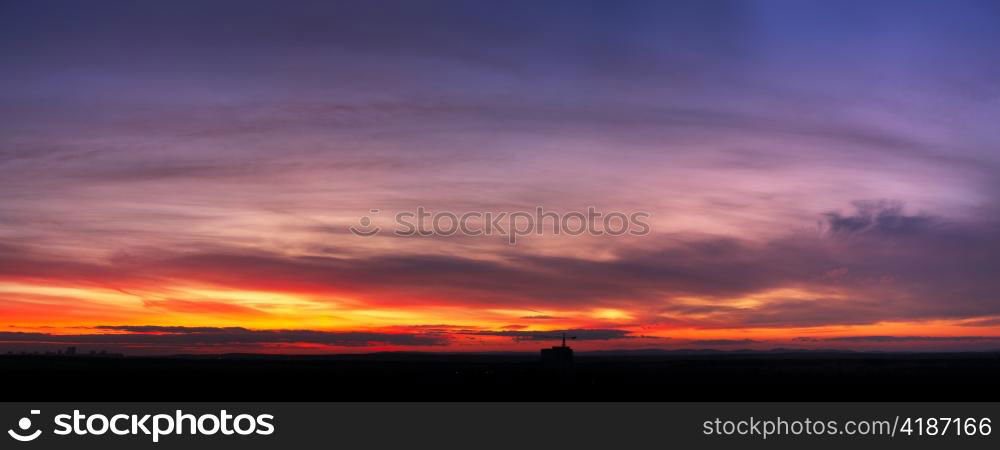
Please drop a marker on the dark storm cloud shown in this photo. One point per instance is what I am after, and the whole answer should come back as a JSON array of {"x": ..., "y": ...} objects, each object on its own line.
[
  {"x": 879, "y": 216},
  {"x": 165, "y": 329},
  {"x": 578, "y": 334},
  {"x": 201, "y": 336}
]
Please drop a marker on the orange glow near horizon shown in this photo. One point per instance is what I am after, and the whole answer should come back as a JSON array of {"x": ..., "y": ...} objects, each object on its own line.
[{"x": 75, "y": 310}]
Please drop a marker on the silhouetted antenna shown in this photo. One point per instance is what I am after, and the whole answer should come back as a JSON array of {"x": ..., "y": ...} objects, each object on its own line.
[{"x": 561, "y": 356}]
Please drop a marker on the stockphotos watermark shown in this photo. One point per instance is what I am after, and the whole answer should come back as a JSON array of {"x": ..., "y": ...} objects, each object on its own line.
[
  {"x": 154, "y": 425},
  {"x": 509, "y": 224}
]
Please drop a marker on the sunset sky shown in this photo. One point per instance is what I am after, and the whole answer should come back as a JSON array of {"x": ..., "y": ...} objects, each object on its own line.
[{"x": 180, "y": 177}]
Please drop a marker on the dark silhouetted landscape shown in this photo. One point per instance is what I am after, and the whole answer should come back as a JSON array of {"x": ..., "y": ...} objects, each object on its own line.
[{"x": 618, "y": 376}]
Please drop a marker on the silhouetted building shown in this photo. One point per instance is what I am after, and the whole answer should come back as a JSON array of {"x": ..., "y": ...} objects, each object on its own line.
[
  {"x": 71, "y": 351},
  {"x": 558, "y": 356}
]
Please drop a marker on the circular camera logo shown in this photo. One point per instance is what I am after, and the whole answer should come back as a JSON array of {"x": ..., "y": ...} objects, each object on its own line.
[
  {"x": 25, "y": 424},
  {"x": 366, "y": 229}
]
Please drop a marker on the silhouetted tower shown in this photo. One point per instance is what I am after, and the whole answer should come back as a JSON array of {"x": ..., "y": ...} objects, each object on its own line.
[{"x": 558, "y": 356}]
